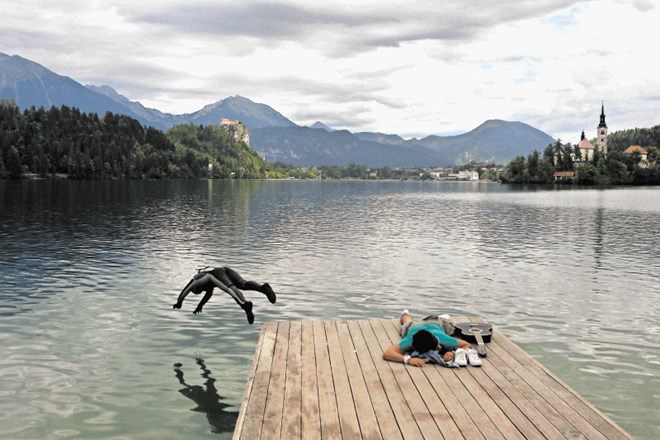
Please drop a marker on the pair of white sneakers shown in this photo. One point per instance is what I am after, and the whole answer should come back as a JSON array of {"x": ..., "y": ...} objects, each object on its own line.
[{"x": 464, "y": 357}]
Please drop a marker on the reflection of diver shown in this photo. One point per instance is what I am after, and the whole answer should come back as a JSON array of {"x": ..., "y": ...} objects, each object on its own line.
[{"x": 208, "y": 400}]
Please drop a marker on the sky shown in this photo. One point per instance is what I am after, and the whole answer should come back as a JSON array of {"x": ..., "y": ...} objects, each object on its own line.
[{"x": 412, "y": 68}]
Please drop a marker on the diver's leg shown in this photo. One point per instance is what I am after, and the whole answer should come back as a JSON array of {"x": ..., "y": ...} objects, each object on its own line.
[
  {"x": 237, "y": 295},
  {"x": 251, "y": 285},
  {"x": 406, "y": 321},
  {"x": 230, "y": 289}
]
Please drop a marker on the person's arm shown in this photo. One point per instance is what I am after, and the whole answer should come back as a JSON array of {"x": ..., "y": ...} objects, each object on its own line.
[
  {"x": 395, "y": 354},
  {"x": 186, "y": 290},
  {"x": 464, "y": 344},
  {"x": 207, "y": 297}
]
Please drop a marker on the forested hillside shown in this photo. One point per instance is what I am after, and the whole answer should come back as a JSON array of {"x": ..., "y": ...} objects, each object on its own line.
[
  {"x": 646, "y": 137},
  {"x": 65, "y": 141}
]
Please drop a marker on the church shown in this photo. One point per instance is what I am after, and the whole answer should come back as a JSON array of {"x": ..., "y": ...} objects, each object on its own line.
[{"x": 587, "y": 148}]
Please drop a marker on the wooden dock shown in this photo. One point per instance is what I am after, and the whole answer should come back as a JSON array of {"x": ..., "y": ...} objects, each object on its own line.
[{"x": 328, "y": 380}]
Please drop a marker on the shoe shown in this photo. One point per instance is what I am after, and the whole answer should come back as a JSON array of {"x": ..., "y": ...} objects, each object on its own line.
[
  {"x": 403, "y": 329},
  {"x": 473, "y": 358},
  {"x": 460, "y": 357},
  {"x": 269, "y": 293},
  {"x": 247, "y": 306}
]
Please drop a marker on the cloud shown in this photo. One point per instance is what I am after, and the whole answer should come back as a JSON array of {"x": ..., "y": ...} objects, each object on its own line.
[
  {"x": 644, "y": 5},
  {"x": 414, "y": 67},
  {"x": 348, "y": 27}
]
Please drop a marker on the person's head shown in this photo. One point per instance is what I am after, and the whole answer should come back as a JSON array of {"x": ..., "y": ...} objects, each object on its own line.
[
  {"x": 195, "y": 287},
  {"x": 424, "y": 341}
]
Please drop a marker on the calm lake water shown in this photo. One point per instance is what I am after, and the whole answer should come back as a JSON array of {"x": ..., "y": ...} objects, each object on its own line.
[{"x": 89, "y": 272}]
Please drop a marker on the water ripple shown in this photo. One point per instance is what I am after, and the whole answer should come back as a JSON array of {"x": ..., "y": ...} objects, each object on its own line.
[{"x": 90, "y": 271}]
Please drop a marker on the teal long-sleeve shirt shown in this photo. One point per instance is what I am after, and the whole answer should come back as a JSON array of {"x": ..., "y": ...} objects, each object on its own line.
[{"x": 446, "y": 341}]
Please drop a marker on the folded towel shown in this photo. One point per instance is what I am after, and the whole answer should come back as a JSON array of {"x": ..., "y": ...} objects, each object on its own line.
[{"x": 433, "y": 357}]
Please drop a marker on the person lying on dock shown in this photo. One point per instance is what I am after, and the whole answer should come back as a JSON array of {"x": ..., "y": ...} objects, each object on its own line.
[
  {"x": 429, "y": 342},
  {"x": 228, "y": 280}
]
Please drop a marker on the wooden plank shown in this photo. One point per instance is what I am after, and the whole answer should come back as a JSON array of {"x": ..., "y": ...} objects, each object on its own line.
[
  {"x": 567, "y": 421},
  {"x": 407, "y": 385},
  {"x": 329, "y": 416},
  {"x": 275, "y": 401},
  {"x": 385, "y": 417},
  {"x": 527, "y": 399},
  {"x": 247, "y": 395},
  {"x": 310, "y": 417},
  {"x": 459, "y": 415},
  {"x": 368, "y": 426},
  {"x": 402, "y": 412},
  {"x": 350, "y": 428},
  {"x": 492, "y": 410},
  {"x": 519, "y": 410},
  {"x": 292, "y": 411},
  {"x": 544, "y": 418},
  {"x": 428, "y": 392},
  {"x": 256, "y": 405},
  {"x": 327, "y": 379},
  {"x": 451, "y": 401},
  {"x": 544, "y": 413},
  {"x": 577, "y": 403}
]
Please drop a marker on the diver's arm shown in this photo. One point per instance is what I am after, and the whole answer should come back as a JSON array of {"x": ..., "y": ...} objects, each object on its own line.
[
  {"x": 207, "y": 297},
  {"x": 186, "y": 290}
]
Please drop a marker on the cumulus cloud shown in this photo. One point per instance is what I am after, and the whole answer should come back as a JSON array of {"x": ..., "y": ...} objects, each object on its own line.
[{"x": 413, "y": 68}]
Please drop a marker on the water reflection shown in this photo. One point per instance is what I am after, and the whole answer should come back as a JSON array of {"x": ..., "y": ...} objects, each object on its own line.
[
  {"x": 89, "y": 272},
  {"x": 207, "y": 399}
]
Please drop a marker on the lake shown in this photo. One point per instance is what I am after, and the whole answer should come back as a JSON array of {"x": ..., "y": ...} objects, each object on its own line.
[{"x": 89, "y": 270}]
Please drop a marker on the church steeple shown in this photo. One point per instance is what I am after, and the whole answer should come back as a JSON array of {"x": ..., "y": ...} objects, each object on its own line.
[
  {"x": 602, "y": 116},
  {"x": 602, "y": 132}
]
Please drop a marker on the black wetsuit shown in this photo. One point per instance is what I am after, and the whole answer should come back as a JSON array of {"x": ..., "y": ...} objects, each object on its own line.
[{"x": 229, "y": 278}]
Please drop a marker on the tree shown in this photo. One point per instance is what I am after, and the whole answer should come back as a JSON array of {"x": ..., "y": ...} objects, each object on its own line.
[
  {"x": 549, "y": 153},
  {"x": 546, "y": 171},
  {"x": 533, "y": 167},
  {"x": 617, "y": 172},
  {"x": 578, "y": 153},
  {"x": 586, "y": 174},
  {"x": 515, "y": 170},
  {"x": 13, "y": 163},
  {"x": 558, "y": 150}
]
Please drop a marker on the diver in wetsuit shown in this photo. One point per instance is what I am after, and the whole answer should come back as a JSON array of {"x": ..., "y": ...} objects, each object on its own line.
[{"x": 227, "y": 279}]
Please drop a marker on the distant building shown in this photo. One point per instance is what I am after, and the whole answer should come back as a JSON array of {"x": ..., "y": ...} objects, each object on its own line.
[
  {"x": 226, "y": 121},
  {"x": 237, "y": 129},
  {"x": 564, "y": 175},
  {"x": 587, "y": 148},
  {"x": 440, "y": 173},
  {"x": 468, "y": 175},
  {"x": 8, "y": 102},
  {"x": 602, "y": 132},
  {"x": 643, "y": 154}
]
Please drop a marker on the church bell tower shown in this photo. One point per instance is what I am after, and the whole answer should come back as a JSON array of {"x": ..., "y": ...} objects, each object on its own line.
[{"x": 602, "y": 132}]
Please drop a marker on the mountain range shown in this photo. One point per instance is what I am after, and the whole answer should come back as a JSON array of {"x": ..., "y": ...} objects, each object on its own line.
[{"x": 272, "y": 135}]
